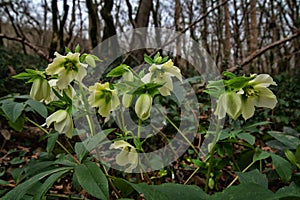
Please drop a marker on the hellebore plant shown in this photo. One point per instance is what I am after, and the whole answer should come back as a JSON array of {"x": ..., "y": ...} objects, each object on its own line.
[{"x": 54, "y": 86}]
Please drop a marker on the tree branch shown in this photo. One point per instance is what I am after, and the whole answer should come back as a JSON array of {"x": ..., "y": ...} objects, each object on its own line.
[
  {"x": 33, "y": 47},
  {"x": 259, "y": 52}
]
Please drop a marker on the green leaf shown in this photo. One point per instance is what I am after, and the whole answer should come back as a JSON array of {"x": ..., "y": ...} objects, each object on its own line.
[
  {"x": 245, "y": 191},
  {"x": 148, "y": 60},
  {"x": 260, "y": 155},
  {"x": 123, "y": 185},
  {"x": 37, "y": 106},
  {"x": 282, "y": 167},
  {"x": 77, "y": 48},
  {"x": 253, "y": 177},
  {"x": 165, "y": 59},
  {"x": 92, "y": 142},
  {"x": 48, "y": 184},
  {"x": 150, "y": 88},
  {"x": 297, "y": 154},
  {"x": 51, "y": 141},
  {"x": 247, "y": 137},
  {"x": 228, "y": 74},
  {"x": 290, "y": 156},
  {"x": 238, "y": 82},
  {"x": 18, "y": 124},
  {"x": 67, "y": 50},
  {"x": 13, "y": 110},
  {"x": 118, "y": 71},
  {"x": 289, "y": 192},
  {"x": 20, "y": 190},
  {"x": 288, "y": 140},
  {"x": 92, "y": 179},
  {"x": 167, "y": 191},
  {"x": 81, "y": 151}
]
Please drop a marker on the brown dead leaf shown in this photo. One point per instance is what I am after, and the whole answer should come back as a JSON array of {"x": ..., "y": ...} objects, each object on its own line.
[{"x": 6, "y": 134}]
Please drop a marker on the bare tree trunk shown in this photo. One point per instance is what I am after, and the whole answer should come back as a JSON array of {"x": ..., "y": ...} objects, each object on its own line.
[
  {"x": 109, "y": 29},
  {"x": 94, "y": 25},
  {"x": 55, "y": 36},
  {"x": 204, "y": 30},
  {"x": 227, "y": 46},
  {"x": 253, "y": 27},
  {"x": 141, "y": 20}
]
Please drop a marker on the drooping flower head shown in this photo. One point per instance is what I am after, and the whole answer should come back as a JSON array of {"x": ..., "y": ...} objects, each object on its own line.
[
  {"x": 104, "y": 98},
  {"x": 63, "y": 122},
  {"x": 143, "y": 106},
  {"x": 40, "y": 90},
  {"x": 128, "y": 155},
  {"x": 68, "y": 68},
  {"x": 162, "y": 74}
]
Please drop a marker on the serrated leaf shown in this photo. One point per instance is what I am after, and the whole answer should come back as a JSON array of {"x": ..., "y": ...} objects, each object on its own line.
[
  {"x": 253, "y": 177},
  {"x": 238, "y": 82},
  {"x": 282, "y": 167},
  {"x": 13, "y": 110},
  {"x": 92, "y": 142},
  {"x": 37, "y": 106},
  {"x": 92, "y": 179}
]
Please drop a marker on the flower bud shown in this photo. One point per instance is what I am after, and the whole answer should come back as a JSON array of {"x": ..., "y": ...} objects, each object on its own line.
[
  {"x": 40, "y": 90},
  {"x": 143, "y": 106}
]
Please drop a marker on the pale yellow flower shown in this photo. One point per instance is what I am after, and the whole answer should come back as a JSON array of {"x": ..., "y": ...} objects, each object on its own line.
[
  {"x": 230, "y": 103},
  {"x": 162, "y": 74},
  {"x": 143, "y": 106},
  {"x": 68, "y": 68},
  {"x": 127, "y": 98},
  {"x": 104, "y": 98},
  {"x": 63, "y": 122},
  {"x": 257, "y": 94},
  {"x": 128, "y": 155},
  {"x": 40, "y": 90}
]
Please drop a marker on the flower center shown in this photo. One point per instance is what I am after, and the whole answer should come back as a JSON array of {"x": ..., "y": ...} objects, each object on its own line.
[
  {"x": 70, "y": 65},
  {"x": 250, "y": 92}
]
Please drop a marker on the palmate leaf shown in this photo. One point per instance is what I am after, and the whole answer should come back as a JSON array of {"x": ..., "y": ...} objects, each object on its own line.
[{"x": 92, "y": 179}]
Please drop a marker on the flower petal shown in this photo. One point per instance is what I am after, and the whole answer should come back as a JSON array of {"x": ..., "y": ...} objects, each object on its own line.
[
  {"x": 248, "y": 108},
  {"x": 233, "y": 104},
  {"x": 57, "y": 117},
  {"x": 263, "y": 80},
  {"x": 266, "y": 98}
]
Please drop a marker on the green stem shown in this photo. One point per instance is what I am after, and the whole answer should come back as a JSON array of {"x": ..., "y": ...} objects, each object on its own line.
[
  {"x": 244, "y": 170},
  {"x": 185, "y": 138},
  {"x": 58, "y": 142},
  {"x": 139, "y": 129},
  {"x": 211, "y": 154}
]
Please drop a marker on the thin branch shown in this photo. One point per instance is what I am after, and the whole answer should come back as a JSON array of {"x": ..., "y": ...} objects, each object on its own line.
[
  {"x": 259, "y": 52},
  {"x": 32, "y": 46}
]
